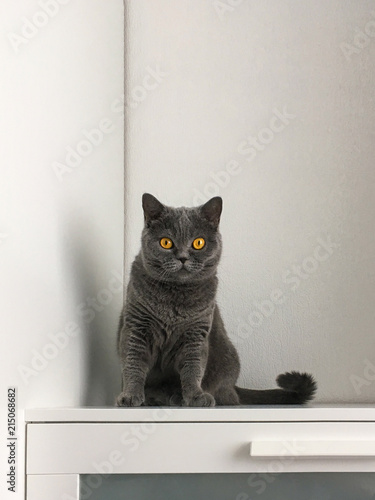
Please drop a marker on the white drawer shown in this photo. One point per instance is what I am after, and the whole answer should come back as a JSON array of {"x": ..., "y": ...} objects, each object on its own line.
[{"x": 200, "y": 447}]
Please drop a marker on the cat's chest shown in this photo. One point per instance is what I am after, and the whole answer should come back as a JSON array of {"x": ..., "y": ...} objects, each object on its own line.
[
  {"x": 174, "y": 308},
  {"x": 169, "y": 308}
]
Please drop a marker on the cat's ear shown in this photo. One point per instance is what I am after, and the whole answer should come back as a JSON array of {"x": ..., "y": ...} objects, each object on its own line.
[
  {"x": 212, "y": 210},
  {"x": 152, "y": 208}
]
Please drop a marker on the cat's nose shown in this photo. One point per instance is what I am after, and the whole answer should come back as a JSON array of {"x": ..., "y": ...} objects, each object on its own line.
[{"x": 182, "y": 259}]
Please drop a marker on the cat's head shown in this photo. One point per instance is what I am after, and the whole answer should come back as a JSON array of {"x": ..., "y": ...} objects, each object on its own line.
[{"x": 181, "y": 244}]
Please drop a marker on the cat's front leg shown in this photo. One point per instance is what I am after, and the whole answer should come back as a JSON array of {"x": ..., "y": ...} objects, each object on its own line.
[
  {"x": 191, "y": 367},
  {"x": 136, "y": 358}
]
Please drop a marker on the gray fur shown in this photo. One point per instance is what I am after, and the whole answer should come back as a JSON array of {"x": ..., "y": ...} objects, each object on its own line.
[{"x": 172, "y": 342}]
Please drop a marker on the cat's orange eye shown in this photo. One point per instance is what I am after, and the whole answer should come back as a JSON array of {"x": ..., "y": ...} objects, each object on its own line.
[
  {"x": 166, "y": 243},
  {"x": 198, "y": 243}
]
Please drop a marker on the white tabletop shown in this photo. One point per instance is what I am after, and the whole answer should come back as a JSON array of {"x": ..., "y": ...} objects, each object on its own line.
[{"x": 313, "y": 413}]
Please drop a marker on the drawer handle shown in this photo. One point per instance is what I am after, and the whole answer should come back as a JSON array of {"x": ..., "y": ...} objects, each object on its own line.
[{"x": 312, "y": 449}]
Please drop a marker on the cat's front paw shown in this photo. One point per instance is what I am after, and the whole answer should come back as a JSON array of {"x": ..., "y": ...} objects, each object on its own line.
[
  {"x": 126, "y": 399},
  {"x": 176, "y": 399},
  {"x": 200, "y": 399}
]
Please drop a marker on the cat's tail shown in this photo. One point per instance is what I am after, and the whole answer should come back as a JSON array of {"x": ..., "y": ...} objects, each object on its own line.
[{"x": 295, "y": 389}]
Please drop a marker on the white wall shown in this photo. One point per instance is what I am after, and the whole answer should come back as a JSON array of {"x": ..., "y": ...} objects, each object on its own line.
[
  {"x": 224, "y": 75},
  {"x": 61, "y": 235}
]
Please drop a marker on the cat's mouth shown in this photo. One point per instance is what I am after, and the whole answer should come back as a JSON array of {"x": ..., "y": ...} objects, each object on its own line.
[
  {"x": 184, "y": 268},
  {"x": 176, "y": 268},
  {"x": 189, "y": 268},
  {"x": 181, "y": 270}
]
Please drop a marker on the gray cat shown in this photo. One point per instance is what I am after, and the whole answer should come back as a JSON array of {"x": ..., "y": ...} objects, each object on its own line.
[{"x": 172, "y": 342}]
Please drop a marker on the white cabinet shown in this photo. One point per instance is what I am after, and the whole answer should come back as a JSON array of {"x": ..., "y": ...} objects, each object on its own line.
[{"x": 113, "y": 445}]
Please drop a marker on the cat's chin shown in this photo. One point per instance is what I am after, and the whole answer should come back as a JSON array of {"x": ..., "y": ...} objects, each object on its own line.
[
  {"x": 181, "y": 277},
  {"x": 178, "y": 276},
  {"x": 184, "y": 272}
]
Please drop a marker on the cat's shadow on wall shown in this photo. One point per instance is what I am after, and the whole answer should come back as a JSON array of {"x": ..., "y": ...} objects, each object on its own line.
[{"x": 88, "y": 276}]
